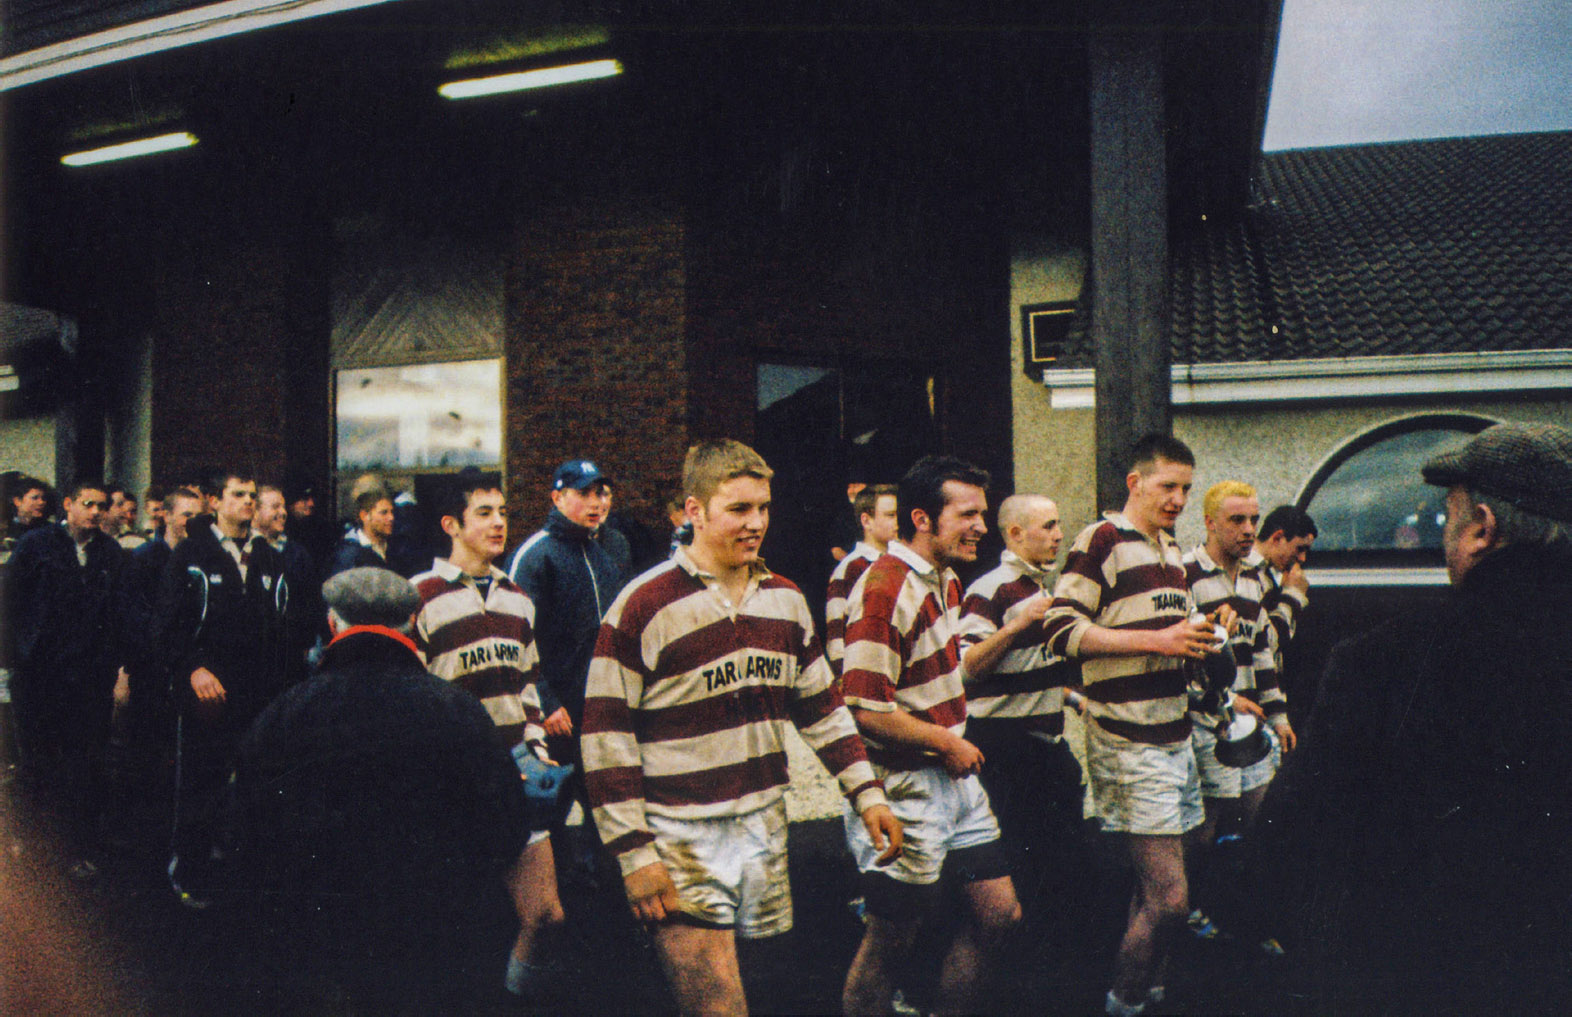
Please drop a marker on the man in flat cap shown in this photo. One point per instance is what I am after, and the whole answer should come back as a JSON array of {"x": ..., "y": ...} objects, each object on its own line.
[
  {"x": 1421, "y": 841},
  {"x": 377, "y": 816}
]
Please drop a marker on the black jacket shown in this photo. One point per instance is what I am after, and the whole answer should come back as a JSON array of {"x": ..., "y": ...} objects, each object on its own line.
[
  {"x": 350, "y": 553},
  {"x": 208, "y": 617},
  {"x": 376, "y": 791},
  {"x": 572, "y": 580},
  {"x": 1417, "y": 848},
  {"x": 68, "y": 623}
]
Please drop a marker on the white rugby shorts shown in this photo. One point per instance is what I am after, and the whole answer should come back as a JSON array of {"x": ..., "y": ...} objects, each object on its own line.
[
  {"x": 730, "y": 872},
  {"x": 938, "y": 814},
  {"x": 1137, "y": 788}
]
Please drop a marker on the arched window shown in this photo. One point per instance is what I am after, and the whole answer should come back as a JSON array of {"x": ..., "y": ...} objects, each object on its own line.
[{"x": 1369, "y": 501}]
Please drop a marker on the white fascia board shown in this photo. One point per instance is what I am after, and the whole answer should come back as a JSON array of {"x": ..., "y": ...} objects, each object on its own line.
[
  {"x": 1339, "y": 378},
  {"x": 1376, "y": 577},
  {"x": 126, "y": 42}
]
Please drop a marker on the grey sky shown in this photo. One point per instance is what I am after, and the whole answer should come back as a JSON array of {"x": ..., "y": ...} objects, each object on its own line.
[{"x": 1358, "y": 71}]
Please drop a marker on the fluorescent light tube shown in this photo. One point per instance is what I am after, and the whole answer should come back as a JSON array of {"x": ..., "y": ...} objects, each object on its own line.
[
  {"x": 130, "y": 149},
  {"x": 542, "y": 78}
]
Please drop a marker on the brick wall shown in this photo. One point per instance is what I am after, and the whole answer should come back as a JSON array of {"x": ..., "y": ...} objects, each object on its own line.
[
  {"x": 239, "y": 358},
  {"x": 597, "y": 364}
]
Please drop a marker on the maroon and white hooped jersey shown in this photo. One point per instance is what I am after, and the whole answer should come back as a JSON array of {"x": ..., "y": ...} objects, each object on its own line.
[{"x": 687, "y": 702}]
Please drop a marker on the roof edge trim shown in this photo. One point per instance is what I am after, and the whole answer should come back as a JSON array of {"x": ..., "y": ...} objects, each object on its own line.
[
  {"x": 140, "y": 38},
  {"x": 1422, "y": 576},
  {"x": 1338, "y": 378}
]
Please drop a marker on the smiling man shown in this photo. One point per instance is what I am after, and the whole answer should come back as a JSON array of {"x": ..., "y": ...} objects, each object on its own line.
[
  {"x": 700, "y": 664},
  {"x": 1122, "y": 607},
  {"x": 902, "y": 676},
  {"x": 477, "y": 630}
]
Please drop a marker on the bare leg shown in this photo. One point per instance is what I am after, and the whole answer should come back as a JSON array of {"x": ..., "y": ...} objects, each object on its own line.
[
  {"x": 995, "y": 911},
  {"x": 532, "y": 882},
  {"x": 870, "y": 981},
  {"x": 701, "y": 965},
  {"x": 1159, "y": 905}
]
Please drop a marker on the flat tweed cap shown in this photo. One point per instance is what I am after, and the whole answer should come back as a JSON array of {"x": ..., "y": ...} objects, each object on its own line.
[
  {"x": 1529, "y": 465},
  {"x": 371, "y": 596}
]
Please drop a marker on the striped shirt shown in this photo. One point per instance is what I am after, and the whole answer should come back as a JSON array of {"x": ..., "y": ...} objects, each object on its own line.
[
  {"x": 1252, "y": 641},
  {"x": 845, "y": 576},
  {"x": 903, "y": 649},
  {"x": 1025, "y": 690},
  {"x": 688, "y": 699},
  {"x": 1282, "y": 605},
  {"x": 485, "y": 647},
  {"x": 1118, "y": 578}
]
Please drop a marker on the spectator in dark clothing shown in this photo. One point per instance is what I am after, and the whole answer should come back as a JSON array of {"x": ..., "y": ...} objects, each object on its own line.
[
  {"x": 377, "y": 815},
  {"x": 304, "y": 617},
  {"x": 411, "y": 547},
  {"x": 1420, "y": 842},
  {"x": 150, "y": 716},
  {"x": 572, "y": 577},
  {"x": 222, "y": 639},
  {"x": 308, "y": 523},
  {"x": 366, "y": 546},
  {"x": 66, "y": 588}
]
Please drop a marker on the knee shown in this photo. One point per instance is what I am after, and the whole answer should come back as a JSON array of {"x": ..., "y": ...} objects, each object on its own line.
[
  {"x": 997, "y": 920},
  {"x": 550, "y": 913}
]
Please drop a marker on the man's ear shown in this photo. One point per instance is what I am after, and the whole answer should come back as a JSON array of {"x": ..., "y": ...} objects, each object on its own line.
[
  {"x": 1489, "y": 528},
  {"x": 450, "y": 526},
  {"x": 693, "y": 509},
  {"x": 1131, "y": 480},
  {"x": 920, "y": 521}
]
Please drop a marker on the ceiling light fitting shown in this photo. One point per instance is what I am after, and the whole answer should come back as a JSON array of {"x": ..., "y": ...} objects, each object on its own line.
[
  {"x": 131, "y": 149},
  {"x": 521, "y": 80}
]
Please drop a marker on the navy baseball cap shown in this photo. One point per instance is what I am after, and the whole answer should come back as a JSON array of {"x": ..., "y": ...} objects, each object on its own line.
[{"x": 577, "y": 474}]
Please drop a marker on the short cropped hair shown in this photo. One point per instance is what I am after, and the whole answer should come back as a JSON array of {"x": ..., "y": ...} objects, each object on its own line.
[
  {"x": 215, "y": 480},
  {"x": 368, "y": 500},
  {"x": 1516, "y": 526},
  {"x": 709, "y": 464},
  {"x": 867, "y": 500},
  {"x": 154, "y": 492},
  {"x": 1152, "y": 447},
  {"x": 1290, "y": 520},
  {"x": 457, "y": 492},
  {"x": 122, "y": 490},
  {"x": 1212, "y": 504},
  {"x": 923, "y": 488},
  {"x": 180, "y": 494},
  {"x": 74, "y": 489}
]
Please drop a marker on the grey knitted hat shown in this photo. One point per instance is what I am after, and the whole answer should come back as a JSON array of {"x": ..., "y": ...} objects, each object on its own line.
[{"x": 1529, "y": 465}]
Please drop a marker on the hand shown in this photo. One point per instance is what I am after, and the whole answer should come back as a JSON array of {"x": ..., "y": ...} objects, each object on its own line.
[
  {"x": 885, "y": 831},
  {"x": 1227, "y": 617},
  {"x": 559, "y": 724},
  {"x": 1193, "y": 639},
  {"x": 1030, "y": 614},
  {"x": 960, "y": 757},
  {"x": 122, "y": 689},
  {"x": 1248, "y": 707},
  {"x": 207, "y": 687},
  {"x": 651, "y": 893},
  {"x": 1294, "y": 579},
  {"x": 1075, "y": 701},
  {"x": 1285, "y": 734}
]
